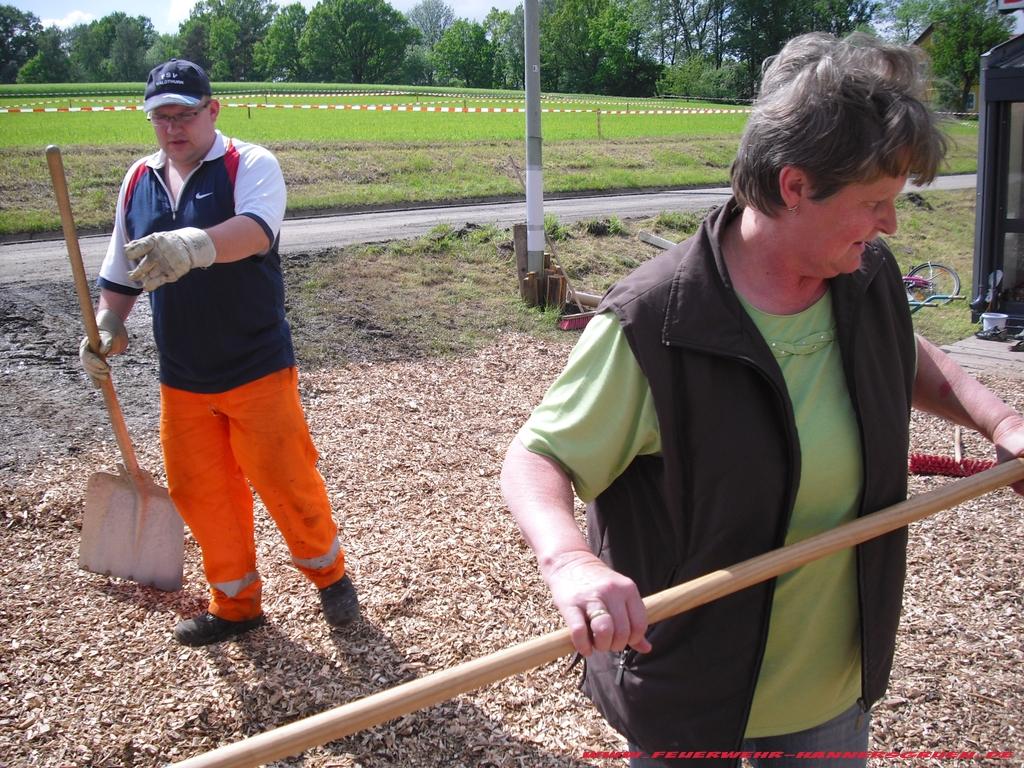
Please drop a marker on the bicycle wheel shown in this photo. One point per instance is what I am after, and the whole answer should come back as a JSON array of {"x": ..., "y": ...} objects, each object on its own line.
[{"x": 943, "y": 282}]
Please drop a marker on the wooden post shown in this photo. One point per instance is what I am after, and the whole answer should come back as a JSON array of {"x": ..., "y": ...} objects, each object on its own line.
[
  {"x": 655, "y": 240},
  {"x": 590, "y": 300},
  {"x": 530, "y": 289},
  {"x": 554, "y": 290}
]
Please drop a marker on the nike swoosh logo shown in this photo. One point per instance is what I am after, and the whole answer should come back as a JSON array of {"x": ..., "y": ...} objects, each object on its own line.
[{"x": 200, "y": 197}]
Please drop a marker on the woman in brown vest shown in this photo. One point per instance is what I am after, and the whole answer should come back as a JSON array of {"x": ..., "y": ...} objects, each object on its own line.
[{"x": 744, "y": 390}]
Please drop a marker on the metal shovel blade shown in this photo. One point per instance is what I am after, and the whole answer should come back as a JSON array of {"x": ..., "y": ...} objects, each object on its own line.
[{"x": 132, "y": 530}]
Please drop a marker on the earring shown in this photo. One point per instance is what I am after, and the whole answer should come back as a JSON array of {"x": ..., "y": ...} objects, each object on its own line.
[{"x": 793, "y": 208}]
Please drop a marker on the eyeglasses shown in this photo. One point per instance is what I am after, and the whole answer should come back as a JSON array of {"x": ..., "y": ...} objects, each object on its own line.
[{"x": 182, "y": 118}]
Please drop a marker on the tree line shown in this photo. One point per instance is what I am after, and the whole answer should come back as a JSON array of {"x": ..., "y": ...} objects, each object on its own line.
[{"x": 698, "y": 48}]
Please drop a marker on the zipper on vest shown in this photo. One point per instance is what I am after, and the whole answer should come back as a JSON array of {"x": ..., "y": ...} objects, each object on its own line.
[
  {"x": 793, "y": 441},
  {"x": 167, "y": 191},
  {"x": 627, "y": 656},
  {"x": 181, "y": 191},
  {"x": 621, "y": 671},
  {"x": 851, "y": 387}
]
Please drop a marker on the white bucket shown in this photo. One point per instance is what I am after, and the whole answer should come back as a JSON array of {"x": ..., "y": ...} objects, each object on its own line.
[{"x": 990, "y": 320}]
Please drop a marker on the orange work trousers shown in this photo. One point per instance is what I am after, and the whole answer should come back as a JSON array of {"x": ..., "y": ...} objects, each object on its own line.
[{"x": 214, "y": 446}]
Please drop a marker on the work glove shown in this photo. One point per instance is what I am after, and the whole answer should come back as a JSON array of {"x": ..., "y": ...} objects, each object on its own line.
[
  {"x": 164, "y": 257},
  {"x": 113, "y": 341}
]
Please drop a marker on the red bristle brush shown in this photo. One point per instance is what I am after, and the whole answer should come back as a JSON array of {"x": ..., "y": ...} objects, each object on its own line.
[
  {"x": 930, "y": 464},
  {"x": 575, "y": 321},
  {"x": 958, "y": 466}
]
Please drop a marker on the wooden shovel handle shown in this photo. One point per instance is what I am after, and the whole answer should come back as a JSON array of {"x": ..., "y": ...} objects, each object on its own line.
[
  {"x": 92, "y": 331},
  {"x": 433, "y": 689}
]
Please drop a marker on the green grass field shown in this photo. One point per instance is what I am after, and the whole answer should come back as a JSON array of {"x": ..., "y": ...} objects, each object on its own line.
[
  {"x": 283, "y": 90},
  {"x": 269, "y": 125},
  {"x": 337, "y": 159}
]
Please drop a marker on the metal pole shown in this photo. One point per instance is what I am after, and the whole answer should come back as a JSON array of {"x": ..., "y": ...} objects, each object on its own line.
[
  {"x": 985, "y": 199},
  {"x": 534, "y": 170}
]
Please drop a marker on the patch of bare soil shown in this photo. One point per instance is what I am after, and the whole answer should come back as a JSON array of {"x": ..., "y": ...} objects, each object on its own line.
[{"x": 411, "y": 451}]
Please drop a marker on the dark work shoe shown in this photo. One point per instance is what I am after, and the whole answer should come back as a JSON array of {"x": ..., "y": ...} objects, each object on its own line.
[
  {"x": 339, "y": 601},
  {"x": 992, "y": 334},
  {"x": 206, "y": 628}
]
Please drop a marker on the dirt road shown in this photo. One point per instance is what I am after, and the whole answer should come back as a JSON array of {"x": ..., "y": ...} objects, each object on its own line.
[{"x": 40, "y": 259}]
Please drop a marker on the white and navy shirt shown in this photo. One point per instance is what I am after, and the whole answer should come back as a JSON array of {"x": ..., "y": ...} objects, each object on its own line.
[{"x": 224, "y": 326}]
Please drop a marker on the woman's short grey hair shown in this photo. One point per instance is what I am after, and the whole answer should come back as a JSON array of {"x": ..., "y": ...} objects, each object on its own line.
[{"x": 843, "y": 111}]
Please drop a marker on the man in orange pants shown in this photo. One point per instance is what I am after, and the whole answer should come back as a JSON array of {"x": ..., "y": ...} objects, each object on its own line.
[{"x": 197, "y": 227}]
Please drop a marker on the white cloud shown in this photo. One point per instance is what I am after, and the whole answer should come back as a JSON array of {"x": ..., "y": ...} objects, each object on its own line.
[
  {"x": 69, "y": 20},
  {"x": 177, "y": 12}
]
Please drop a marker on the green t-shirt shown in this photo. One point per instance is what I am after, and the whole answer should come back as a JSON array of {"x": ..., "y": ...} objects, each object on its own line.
[{"x": 599, "y": 414}]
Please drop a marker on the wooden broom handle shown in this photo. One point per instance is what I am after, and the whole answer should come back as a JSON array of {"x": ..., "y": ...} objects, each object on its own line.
[
  {"x": 433, "y": 689},
  {"x": 92, "y": 331}
]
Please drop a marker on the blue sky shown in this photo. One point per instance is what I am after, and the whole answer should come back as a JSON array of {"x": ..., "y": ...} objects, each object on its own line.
[{"x": 168, "y": 15}]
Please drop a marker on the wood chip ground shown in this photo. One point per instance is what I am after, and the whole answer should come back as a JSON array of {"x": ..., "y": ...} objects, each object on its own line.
[{"x": 411, "y": 451}]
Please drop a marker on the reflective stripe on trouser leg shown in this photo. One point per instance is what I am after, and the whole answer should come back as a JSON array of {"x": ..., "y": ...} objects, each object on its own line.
[
  {"x": 319, "y": 563},
  {"x": 234, "y": 588},
  {"x": 213, "y": 497},
  {"x": 271, "y": 441}
]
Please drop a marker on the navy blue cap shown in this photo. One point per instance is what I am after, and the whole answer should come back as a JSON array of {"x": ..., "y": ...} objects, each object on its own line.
[{"x": 176, "y": 82}]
